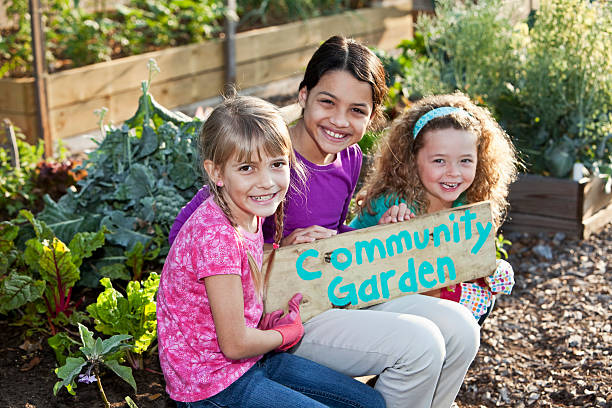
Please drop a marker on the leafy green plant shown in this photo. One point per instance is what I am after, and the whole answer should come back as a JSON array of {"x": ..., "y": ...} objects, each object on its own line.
[
  {"x": 138, "y": 178},
  {"x": 500, "y": 250},
  {"x": 95, "y": 354},
  {"x": 565, "y": 88},
  {"x": 44, "y": 272},
  {"x": 133, "y": 314}
]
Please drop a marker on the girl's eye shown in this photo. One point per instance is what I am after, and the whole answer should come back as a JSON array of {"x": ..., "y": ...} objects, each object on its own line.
[
  {"x": 246, "y": 167},
  {"x": 327, "y": 101},
  {"x": 279, "y": 164},
  {"x": 467, "y": 161},
  {"x": 359, "y": 111},
  {"x": 438, "y": 160}
]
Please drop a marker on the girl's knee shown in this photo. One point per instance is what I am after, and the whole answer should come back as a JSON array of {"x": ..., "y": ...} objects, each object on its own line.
[
  {"x": 464, "y": 333},
  {"x": 422, "y": 344}
]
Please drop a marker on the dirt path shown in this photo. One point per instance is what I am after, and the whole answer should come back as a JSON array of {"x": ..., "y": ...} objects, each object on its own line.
[{"x": 549, "y": 344}]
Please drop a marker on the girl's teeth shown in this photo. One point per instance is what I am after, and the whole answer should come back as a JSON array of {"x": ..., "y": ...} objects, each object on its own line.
[
  {"x": 450, "y": 185},
  {"x": 263, "y": 198},
  {"x": 334, "y": 134}
]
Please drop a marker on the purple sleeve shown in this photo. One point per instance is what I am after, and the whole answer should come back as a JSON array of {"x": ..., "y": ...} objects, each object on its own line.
[
  {"x": 357, "y": 159},
  {"x": 186, "y": 212}
]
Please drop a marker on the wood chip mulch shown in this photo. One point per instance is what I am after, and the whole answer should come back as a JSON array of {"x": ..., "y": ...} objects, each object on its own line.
[{"x": 549, "y": 343}]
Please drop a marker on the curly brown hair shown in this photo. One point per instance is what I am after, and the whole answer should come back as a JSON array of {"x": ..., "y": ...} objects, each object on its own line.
[{"x": 395, "y": 173}]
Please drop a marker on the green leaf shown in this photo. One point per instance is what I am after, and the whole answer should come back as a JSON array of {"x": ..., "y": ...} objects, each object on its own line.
[
  {"x": 183, "y": 175},
  {"x": 8, "y": 233},
  {"x": 140, "y": 181},
  {"x": 148, "y": 143},
  {"x": 115, "y": 271},
  {"x": 112, "y": 344},
  {"x": 122, "y": 230},
  {"x": 86, "y": 337},
  {"x": 84, "y": 244},
  {"x": 17, "y": 290},
  {"x": 122, "y": 371},
  {"x": 61, "y": 344},
  {"x": 67, "y": 372},
  {"x": 40, "y": 228}
]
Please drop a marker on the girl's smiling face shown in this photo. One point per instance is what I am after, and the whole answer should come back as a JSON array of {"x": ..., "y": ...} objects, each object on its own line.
[
  {"x": 447, "y": 165},
  {"x": 252, "y": 188},
  {"x": 337, "y": 112}
]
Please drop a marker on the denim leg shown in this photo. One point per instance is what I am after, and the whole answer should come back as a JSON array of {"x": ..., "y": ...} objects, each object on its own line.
[
  {"x": 320, "y": 383},
  {"x": 255, "y": 390}
]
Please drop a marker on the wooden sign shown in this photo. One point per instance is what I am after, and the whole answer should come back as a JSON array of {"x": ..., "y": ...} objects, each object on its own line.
[{"x": 373, "y": 265}]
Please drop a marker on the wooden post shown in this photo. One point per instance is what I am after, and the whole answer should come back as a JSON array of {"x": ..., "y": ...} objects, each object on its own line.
[
  {"x": 376, "y": 264},
  {"x": 231, "y": 18},
  {"x": 40, "y": 75},
  {"x": 11, "y": 143}
]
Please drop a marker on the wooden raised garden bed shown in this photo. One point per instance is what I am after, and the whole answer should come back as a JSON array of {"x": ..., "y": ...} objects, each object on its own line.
[
  {"x": 193, "y": 72},
  {"x": 548, "y": 204}
]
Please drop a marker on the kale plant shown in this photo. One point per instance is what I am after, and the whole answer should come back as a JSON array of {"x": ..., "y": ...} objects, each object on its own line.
[{"x": 138, "y": 178}]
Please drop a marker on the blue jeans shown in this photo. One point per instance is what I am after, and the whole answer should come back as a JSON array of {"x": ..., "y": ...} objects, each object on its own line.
[{"x": 284, "y": 380}]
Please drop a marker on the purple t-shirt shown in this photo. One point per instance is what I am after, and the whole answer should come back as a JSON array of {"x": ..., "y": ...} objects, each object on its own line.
[{"x": 323, "y": 200}]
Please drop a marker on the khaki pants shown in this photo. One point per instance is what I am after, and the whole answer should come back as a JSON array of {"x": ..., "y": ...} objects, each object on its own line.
[{"x": 420, "y": 346}]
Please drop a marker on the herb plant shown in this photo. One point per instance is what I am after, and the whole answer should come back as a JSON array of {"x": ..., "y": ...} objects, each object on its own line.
[{"x": 95, "y": 354}]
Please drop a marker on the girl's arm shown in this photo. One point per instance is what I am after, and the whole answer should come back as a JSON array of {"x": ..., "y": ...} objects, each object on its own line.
[{"x": 236, "y": 340}]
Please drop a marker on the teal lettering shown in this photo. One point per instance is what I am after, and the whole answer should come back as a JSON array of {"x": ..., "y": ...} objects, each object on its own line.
[
  {"x": 456, "y": 237},
  {"x": 467, "y": 219},
  {"x": 442, "y": 228},
  {"x": 363, "y": 290},
  {"x": 411, "y": 276},
  {"x": 369, "y": 249},
  {"x": 483, "y": 233},
  {"x": 303, "y": 273},
  {"x": 341, "y": 265},
  {"x": 348, "y": 289},
  {"x": 421, "y": 244},
  {"x": 397, "y": 240},
  {"x": 426, "y": 269},
  {"x": 447, "y": 262},
  {"x": 384, "y": 282}
]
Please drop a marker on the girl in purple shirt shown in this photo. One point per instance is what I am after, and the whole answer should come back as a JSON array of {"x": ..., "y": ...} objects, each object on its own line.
[{"x": 419, "y": 346}]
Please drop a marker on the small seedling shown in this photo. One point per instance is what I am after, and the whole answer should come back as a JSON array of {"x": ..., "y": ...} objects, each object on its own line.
[{"x": 96, "y": 352}]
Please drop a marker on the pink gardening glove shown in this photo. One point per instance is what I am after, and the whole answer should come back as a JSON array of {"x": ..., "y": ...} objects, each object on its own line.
[
  {"x": 289, "y": 326},
  {"x": 471, "y": 295},
  {"x": 502, "y": 280}
]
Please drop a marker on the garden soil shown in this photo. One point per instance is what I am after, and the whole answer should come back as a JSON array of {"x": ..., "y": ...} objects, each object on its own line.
[{"x": 549, "y": 344}]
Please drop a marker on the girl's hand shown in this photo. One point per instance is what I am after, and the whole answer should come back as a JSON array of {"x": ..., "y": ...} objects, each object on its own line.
[
  {"x": 289, "y": 326},
  {"x": 276, "y": 318},
  {"x": 502, "y": 280},
  {"x": 396, "y": 213},
  {"x": 309, "y": 234}
]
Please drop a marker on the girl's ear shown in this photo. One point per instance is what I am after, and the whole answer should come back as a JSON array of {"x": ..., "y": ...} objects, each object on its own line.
[
  {"x": 302, "y": 97},
  {"x": 213, "y": 171}
]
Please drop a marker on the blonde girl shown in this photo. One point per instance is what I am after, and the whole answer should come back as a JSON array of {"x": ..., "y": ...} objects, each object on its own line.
[{"x": 212, "y": 340}]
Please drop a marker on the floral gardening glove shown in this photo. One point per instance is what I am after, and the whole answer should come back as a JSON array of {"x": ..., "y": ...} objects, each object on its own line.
[
  {"x": 502, "y": 280},
  {"x": 471, "y": 295}
]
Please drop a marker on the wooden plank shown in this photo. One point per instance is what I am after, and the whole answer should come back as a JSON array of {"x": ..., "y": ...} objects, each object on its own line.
[
  {"x": 26, "y": 124},
  {"x": 79, "y": 118},
  {"x": 546, "y": 196},
  {"x": 597, "y": 222},
  {"x": 534, "y": 223},
  {"x": 107, "y": 78},
  {"x": 595, "y": 197},
  {"x": 370, "y": 267},
  {"x": 17, "y": 96},
  {"x": 285, "y": 38}
]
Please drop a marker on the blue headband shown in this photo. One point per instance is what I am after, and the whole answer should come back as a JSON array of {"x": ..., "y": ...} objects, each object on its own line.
[{"x": 436, "y": 113}]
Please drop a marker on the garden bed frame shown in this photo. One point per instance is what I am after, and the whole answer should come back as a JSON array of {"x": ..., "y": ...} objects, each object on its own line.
[
  {"x": 548, "y": 204},
  {"x": 193, "y": 72}
]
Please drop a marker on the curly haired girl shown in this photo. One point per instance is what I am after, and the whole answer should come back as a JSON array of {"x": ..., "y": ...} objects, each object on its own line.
[{"x": 443, "y": 152}]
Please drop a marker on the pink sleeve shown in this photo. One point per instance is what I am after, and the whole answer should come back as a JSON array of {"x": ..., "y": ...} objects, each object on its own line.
[
  {"x": 217, "y": 252},
  {"x": 186, "y": 211}
]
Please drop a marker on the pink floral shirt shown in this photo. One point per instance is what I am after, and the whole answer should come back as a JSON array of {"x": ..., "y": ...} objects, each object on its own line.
[{"x": 194, "y": 366}]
